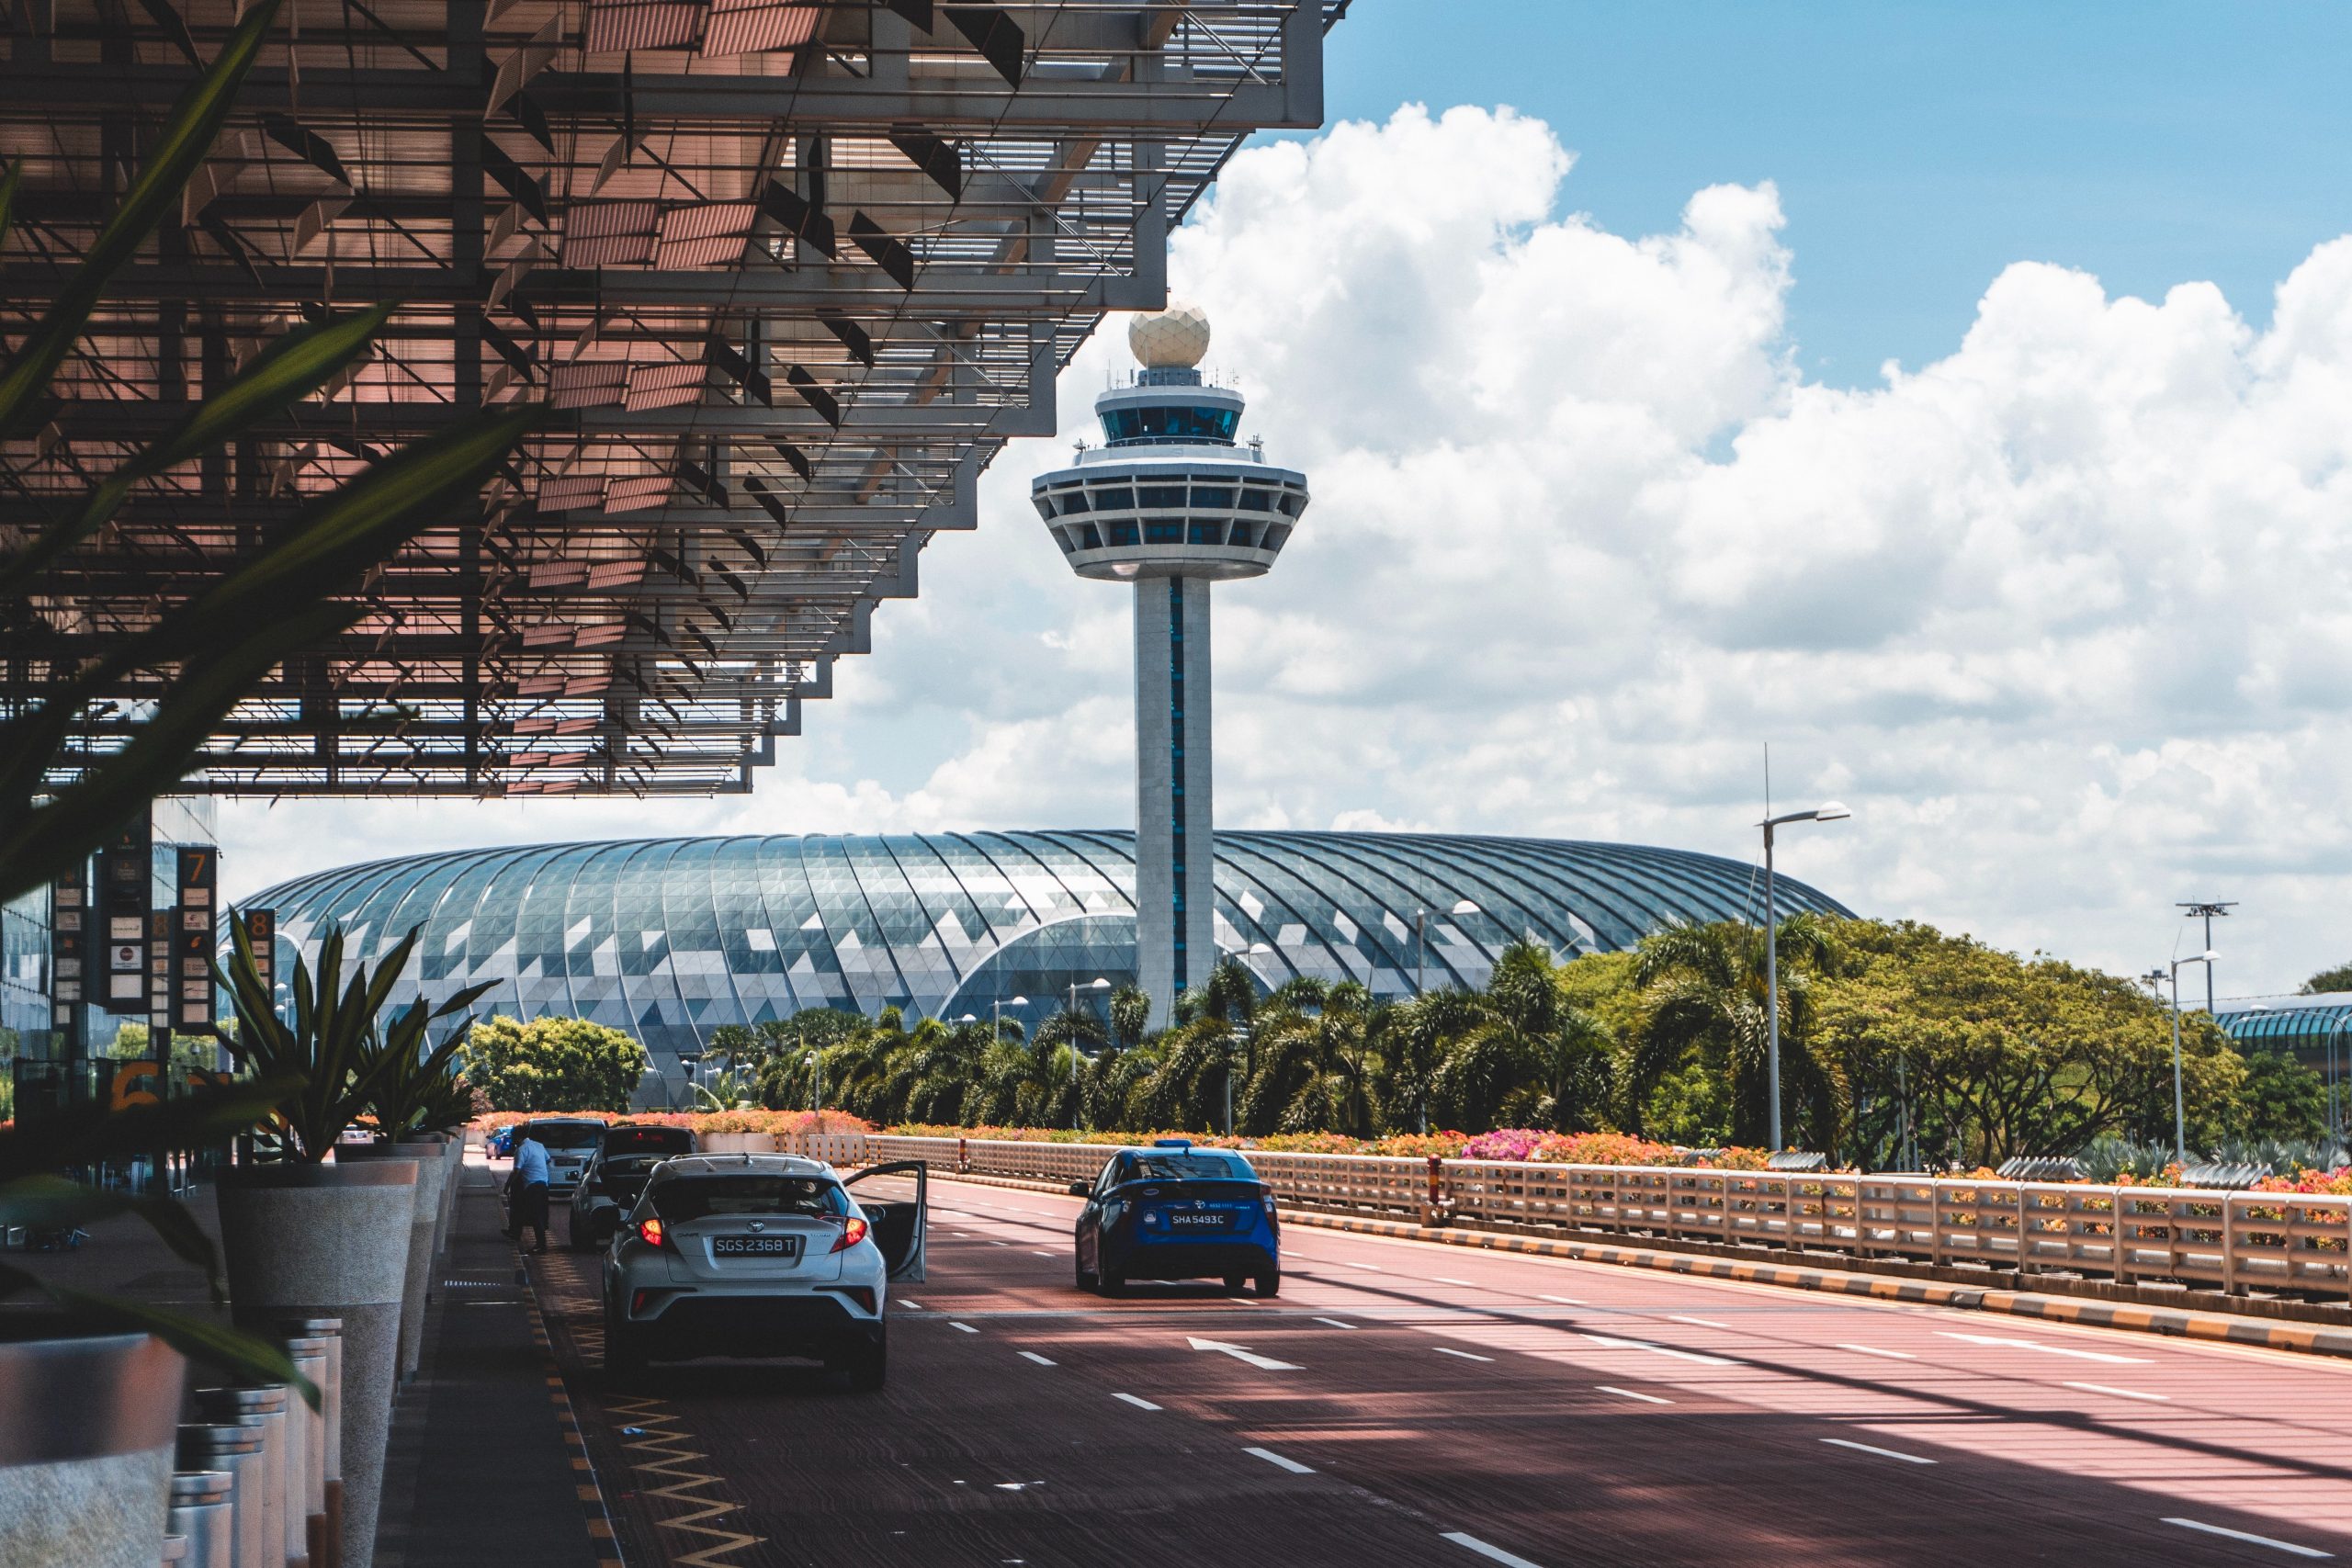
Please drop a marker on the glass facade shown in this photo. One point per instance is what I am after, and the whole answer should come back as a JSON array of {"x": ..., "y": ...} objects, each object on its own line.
[{"x": 670, "y": 938}]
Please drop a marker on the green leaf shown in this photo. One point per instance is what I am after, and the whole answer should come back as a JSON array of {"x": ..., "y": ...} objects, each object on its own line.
[
  {"x": 253, "y": 1359},
  {"x": 53, "y": 1203},
  {"x": 9, "y": 183},
  {"x": 293, "y": 367},
  {"x": 187, "y": 137}
]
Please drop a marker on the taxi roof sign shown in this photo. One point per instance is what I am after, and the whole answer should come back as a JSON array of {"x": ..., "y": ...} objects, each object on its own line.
[{"x": 1172, "y": 1143}]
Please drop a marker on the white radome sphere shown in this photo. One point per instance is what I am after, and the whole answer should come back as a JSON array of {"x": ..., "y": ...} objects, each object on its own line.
[{"x": 1173, "y": 339}]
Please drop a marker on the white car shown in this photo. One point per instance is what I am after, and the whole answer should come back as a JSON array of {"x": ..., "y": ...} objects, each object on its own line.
[{"x": 760, "y": 1255}]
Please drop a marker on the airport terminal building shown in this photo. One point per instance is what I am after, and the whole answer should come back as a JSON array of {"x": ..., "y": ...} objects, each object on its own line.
[{"x": 670, "y": 938}]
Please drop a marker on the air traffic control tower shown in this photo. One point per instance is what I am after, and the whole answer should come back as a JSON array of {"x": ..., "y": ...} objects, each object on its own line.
[{"x": 1171, "y": 504}]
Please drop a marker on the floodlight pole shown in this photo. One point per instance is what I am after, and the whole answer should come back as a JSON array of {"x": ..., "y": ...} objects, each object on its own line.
[
  {"x": 1829, "y": 813},
  {"x": 2208, "y": 910},
  {"x": 2179, "y": 1099}
]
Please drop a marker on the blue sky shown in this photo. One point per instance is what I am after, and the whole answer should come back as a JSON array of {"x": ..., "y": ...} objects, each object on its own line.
[{"x": 1918, "y": 148}]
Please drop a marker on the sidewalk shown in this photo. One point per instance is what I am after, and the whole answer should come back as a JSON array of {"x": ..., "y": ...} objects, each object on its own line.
[{"x": 484, "y": 1464}]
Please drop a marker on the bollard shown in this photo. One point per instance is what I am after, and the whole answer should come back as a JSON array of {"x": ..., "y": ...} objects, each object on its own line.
[
  {"x": 202, "y": 1512},
  {"x": 329, "y": 1553},
  {"x": 264, "y": 1411},
  {"x": 309, "y": 1355},
  {"x": 237, "y": 1451},
  {"x": 174, "y": 1550}
]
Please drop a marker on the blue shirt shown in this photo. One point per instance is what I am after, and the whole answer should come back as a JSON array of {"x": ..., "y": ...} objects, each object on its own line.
[{"x": 531, "y": 1162}]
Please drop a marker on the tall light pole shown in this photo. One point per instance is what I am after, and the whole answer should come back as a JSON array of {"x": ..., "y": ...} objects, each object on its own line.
[
  {"x": 2179, "y": 1104},
  {"x": 996, "y": 1019},
  {"x": 2193, "y": 909},
  {"x": 816, "y": 1084},
  {"x": 1833, "y": 812},
  {"x": 1096, "y": 984},
  {"x": 1421, "y": 943}
]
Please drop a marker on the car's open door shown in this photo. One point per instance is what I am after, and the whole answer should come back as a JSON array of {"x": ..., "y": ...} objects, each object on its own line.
[{"x": 898, "y": 1222}]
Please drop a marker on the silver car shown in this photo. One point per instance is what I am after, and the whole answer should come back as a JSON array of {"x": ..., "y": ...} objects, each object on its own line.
[{"x": 757, "y": 1256}]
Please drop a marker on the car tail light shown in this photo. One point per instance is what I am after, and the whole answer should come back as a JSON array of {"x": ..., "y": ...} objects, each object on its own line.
[
  {"x": 853, "y": 1232},
  {"x": 653, "y": 1232}
]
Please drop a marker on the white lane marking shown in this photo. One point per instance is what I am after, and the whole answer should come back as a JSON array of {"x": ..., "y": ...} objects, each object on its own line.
[
  {"x": 1353, "y": 1264},
  {"x": 2005, "y": 1342},
  {"x": 1701, "y": 1322},
  {"x": 1032, "y": 1356},
  {"x": 1274, "y": 1459},
  {"x": 2286, "y": 1546},
  {"x": 1882, "y": 1453},
  {"x": 1465, "y": 1355},
  {"x": 1239, "y": 1353},
  {"x": 1607, "y": 1343},
  {"x": 2123, "y": 1392},
  {"x": 1874, "y": 1350},
  {"x": 1563, "y": 1301},
  {"x": 1444, "y": 1280},
  {"x": 993, "y": 1242},
  {"x": 1629, "y": 1394},
  {"x": 964, "y": 1326},
  {"x": 910, "y": 1305},
  {"x": 1335, "y": 1323},
  {"x": 1139, "y": 1404},
  {"x": 1508, "y": 1559}
]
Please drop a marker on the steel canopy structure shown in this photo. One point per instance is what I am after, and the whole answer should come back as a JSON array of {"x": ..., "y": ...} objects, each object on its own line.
[{"x": 789, "y": 273}]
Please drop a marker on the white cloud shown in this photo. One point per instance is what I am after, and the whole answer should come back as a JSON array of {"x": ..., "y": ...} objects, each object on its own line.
[{"x": 2063, "y": 614}]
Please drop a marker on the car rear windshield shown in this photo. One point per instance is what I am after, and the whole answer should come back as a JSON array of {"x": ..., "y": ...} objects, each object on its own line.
[
  {"x": 1188, "y": 1167},
  {"x": 566, "y": 1135},
  {"x": 693, "y": 1197},
  {"x": 648, "y": 1141}
]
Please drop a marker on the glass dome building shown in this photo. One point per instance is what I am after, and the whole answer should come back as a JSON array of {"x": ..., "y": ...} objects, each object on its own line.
[{"x": 670, "y": 938}]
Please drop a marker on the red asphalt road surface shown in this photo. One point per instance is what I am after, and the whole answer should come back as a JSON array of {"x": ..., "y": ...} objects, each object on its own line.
[{"x": 1434, "y": 1406}]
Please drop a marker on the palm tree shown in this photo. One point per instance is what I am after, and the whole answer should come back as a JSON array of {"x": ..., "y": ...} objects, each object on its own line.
[{"x": 1705, "y": 987}]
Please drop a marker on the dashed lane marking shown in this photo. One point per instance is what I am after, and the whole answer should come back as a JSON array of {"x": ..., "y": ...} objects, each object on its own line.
[
  {"x": 1032, "y": 1356},
  {"x": 2123, "y": 1392},
  {"x": 1874, "y": 1350},
  {"x": 1701, "y": 1322},
  {"x": 1353, "y": 1264},
  {"x": 910, "y": 1305},
  {"x": 1487, "y": 1550},
  {"x": 1445, "y": 1350},
  {"x": 964, "y": 1326},
  {"x": 1629, "y": 1394},
  {"x": 1607, "y": 1343},
  {"x": 1335, "y": 1323},
  {"x": 1448, "y": 1280},
  {"x": 1281, "y": 1461},
  {"x": 2010, "y": 1342},
  {"x": 1034, "y": 1253},
  {"x": 1140, "y": 1404},
  {"x": 1563, "y": 1301},
  {"x": 1882, "y": 1453},
  {"x": 2286, "y": 1546}
]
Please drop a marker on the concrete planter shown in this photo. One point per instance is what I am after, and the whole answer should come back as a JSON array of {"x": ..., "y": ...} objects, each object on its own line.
[
  {"x": 432, "y": 1171},
  {"x": 330, "y": 1241},
  {"x": 87, "y": 1429},
  {"x": 453, "y": 1152},
  {"x": 736, "y": 1144}
]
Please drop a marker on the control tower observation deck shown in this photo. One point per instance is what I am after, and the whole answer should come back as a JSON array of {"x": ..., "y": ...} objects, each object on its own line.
[{"x": 1171, "y": 504}]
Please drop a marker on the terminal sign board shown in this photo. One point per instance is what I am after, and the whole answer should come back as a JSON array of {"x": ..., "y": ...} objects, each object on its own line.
[
  {"x": 68, "y": 947},
  {"x": 193, "y": 941},
  {"x": 126, "y": 898}
]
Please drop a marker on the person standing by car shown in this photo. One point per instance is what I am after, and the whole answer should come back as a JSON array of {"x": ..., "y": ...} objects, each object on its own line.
[{"x": 526, "y": 1187}]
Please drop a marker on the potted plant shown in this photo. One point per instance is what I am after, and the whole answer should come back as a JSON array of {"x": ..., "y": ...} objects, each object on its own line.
[
  {"x": 405, "y": 1076},
  {"x": 305, "y": 1239}
]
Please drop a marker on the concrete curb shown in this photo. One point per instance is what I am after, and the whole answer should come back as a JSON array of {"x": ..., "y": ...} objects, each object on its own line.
[{"x": 2218, "y": 1327}]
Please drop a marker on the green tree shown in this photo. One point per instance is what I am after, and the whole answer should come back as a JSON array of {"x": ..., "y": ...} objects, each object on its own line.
[
  {"x": 553, "y": 1064},
  {"x": 1704, "y": 987},
  {"x": 2281, "y": 1098},
  {"x": 2339, "y": 978}
]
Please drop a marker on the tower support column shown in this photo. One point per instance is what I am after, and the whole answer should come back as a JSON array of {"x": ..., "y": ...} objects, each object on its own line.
[{"x": 1175, "y": 807}]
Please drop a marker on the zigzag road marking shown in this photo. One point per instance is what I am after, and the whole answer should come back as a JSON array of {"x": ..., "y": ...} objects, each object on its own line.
[{"x": 664, "y": 1450}]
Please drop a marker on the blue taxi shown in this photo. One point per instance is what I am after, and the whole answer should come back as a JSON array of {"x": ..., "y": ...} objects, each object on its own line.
[{"x": 1173, "y": 1211}]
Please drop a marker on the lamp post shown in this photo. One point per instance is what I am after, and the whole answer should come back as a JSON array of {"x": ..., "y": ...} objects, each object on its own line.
[
  {"x": 995, "y": 1016},
  {"x": 2179, "y": 1104},
  {"x": 2193, "y": 909},
  {"x": 1421, "y": 942},
  {"x": 1096, "y": 984},
  {"x": 1832, "y": 812},
  {"x": 686, "y": 1064},
  {"x": 816, "y": 1084}
]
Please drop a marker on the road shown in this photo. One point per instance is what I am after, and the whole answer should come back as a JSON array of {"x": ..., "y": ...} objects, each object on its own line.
[{"x": 1405, "y": 1402}]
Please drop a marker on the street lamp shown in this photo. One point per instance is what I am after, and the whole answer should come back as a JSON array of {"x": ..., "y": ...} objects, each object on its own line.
[
  {"x": 1096, "y": 984},
  {"x": 1832, "y": 812},
  {"x": 1421, "y": 943},
  {"x": 816, "y": 1083},
  {"x": 2179, "y": 1106},
  {"x": 995, "y": 1016}
]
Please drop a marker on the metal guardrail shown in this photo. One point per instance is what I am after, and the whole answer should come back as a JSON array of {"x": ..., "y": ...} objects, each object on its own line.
[{"x": 2239, "y": 1243}]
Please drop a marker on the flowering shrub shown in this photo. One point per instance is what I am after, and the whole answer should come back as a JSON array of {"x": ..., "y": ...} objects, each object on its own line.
[{"x": 773, "y": 1122}]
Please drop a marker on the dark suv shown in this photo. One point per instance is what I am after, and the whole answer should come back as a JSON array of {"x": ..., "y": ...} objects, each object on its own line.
[{"x": 615, "y": 1175}]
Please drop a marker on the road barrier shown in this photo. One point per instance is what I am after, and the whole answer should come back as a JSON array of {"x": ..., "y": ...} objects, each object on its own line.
[{"x": 2238, "y": 1243}]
